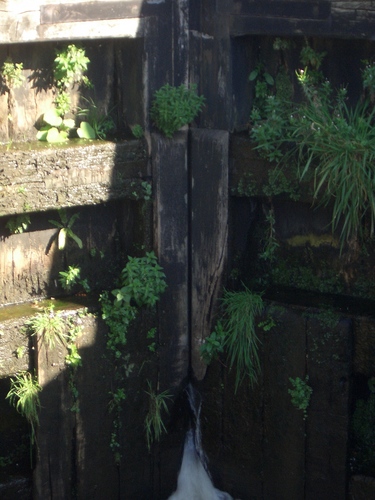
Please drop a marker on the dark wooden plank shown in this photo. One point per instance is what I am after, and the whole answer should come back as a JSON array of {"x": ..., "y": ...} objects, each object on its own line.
[
  {"x": 75, "y": 174},
  {"x": 329, "y": 369},
  {"x": 291, "y": 9},
  {"x": 254, "y": 25},
  {"x": 209, "y": 228},
  {"x": 283, "y": 424},
  {"x": 171, "y": 228}
]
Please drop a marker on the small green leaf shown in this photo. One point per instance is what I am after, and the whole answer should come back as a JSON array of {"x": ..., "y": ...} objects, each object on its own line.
[
  {"x": 253, "y": 75},
  {"x": 85, "y": 131},
  {"x": 62, "y": 238},
  {"x": 52, "y": 117},
  {"x": 53, "y": 135},
  {"x": 69, "y": 123},
  {"x": 42, "y": 134},
  {"x": 269, "y": 79},
  {"x": 75, "y": 238}
]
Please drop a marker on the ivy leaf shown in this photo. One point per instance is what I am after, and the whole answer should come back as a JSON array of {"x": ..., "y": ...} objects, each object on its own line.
[
  {"x": 253, "y": 75},
  {"x": 52, "y": 117},
  {"x": 85, "y": 131},
  {"x": 54, "y": 135}
]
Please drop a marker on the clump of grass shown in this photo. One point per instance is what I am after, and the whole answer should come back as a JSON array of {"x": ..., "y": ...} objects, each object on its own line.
[
  {"x": 154, "y": 424},
  {"x": 24, "y": 396},
  {"x": 241, "y": 341},
  {"x": 49, "y": 327},
  {"x": 338, "y": 142}
]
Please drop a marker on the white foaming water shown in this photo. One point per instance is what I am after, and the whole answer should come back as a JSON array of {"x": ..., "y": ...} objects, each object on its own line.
[{"x": 194, "y": 482}]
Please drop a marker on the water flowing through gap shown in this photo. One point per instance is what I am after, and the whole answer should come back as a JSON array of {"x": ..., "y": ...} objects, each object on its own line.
[{"x": 194, "y": 480}]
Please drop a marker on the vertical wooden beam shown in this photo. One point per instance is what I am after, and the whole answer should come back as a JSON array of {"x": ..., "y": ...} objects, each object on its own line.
[
  {"x": 170, "y": 176},
  {"x": 52, "y": 475},
  {"x": 209, "y": 229}
]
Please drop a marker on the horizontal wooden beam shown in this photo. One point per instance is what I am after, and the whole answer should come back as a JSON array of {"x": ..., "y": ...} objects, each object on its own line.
[
  {"x": 47, "y": 20},
  {"x": 50, "y": 177}
]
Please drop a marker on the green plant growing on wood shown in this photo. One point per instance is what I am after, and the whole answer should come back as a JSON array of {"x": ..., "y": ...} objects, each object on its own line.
[
  {"x": 137, "y": 131},
  {"x": 174, "y": 107},
  {"x": 24, "y": 396},
  {"x": 141, "y": 283},
  {"x": 18, "y": 224},
  {"x": 20, "y": 351},
  {"x": 95, "y": 124},
  {"x": 270, "y": 242},
  {"x": 49, "y": 327},
  {"x": 213, "y": 345},
  {"x": 338, "y": 143},
  {"x": 327, "y": 141},
  {"x": 69, "y": 68},
  {"x": 142, "y": 280},
  {"x": 55, "y": 127},
  {"x": 73, "y": 360},
  {"x": 68, "y": 279},
  {"x": 241, "y": 341},
  {"x": 154, "y": 423},
  {"x": 12, "y": 74},
  {"x": 65, "y": 229},
  {"x": 300, "y": 394}
]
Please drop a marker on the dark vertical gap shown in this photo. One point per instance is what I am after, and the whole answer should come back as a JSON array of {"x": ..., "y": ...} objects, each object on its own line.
[{"x": 189, "y": 248}]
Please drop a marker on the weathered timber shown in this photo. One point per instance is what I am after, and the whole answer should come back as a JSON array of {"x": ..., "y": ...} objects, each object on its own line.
[
  {"x": 329, "y": 360},
  {"x": 35, "y": 177},
  {"x": 284, "y": 351},
  {"x": 74, "y": 453},
  {"x": 50, "y": 20},
  {"x": 52, "y": 475},
  {"x": 209, "y": 230},
  {"x": 170, "y": 176},
  {"x": 11, "y": 340}
]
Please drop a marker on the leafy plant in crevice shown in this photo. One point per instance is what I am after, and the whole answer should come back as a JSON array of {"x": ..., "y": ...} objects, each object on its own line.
[
  {"x": 154, "y": 423},
  {"x": 174, "y": 107},
  {"x": 11, "y": 74},
  {"x": 140, "y": 284},
  {"x": 115, "y": 407},
  {"x": 151, "y": 335},
  {"x": 137, "y": 131},
  {"x": 18, "y": 224},
  {"x": 94, "y": 123},
  {"x": 328, "y": 141},
  {"x": 338, "y": 142},
  {"x": 300, "y": 394},
  {"x": 271, "y": 243},
  {"x": 48, "y": 327},
  {"x": 69, "y": 68},
  {"x": 24, "y": 396},
  {"x": 65, "y": 230},
  {"x": 240, "y": 312},
  {"x": 213, "y": 345},
  {"x": 73, "y": 359},
  {"x": 72, "y": 277}
]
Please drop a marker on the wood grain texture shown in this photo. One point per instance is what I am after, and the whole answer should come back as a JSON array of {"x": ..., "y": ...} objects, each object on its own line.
[{"x": 209, "y": 212}]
